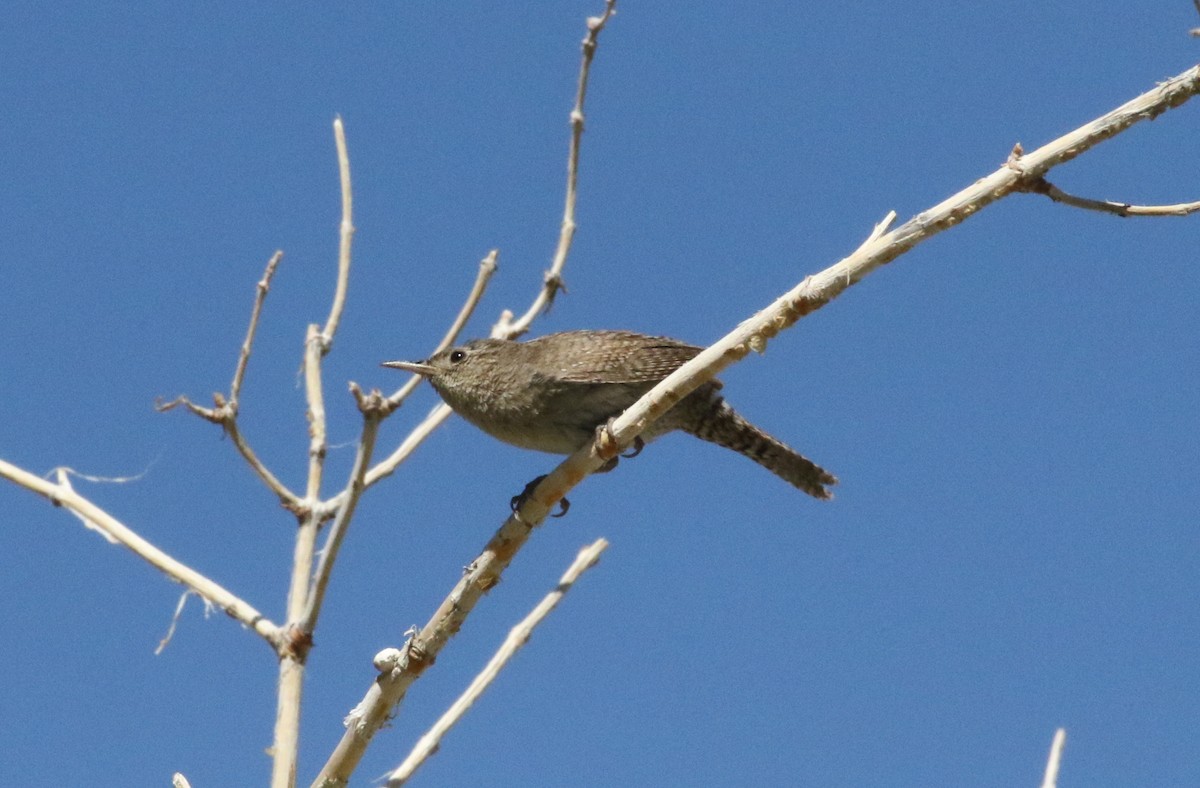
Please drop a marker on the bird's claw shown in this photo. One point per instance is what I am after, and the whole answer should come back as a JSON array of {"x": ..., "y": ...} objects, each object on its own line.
[
  {"x": 636, "y": 448},
  {"x": 519, "y": 500}
]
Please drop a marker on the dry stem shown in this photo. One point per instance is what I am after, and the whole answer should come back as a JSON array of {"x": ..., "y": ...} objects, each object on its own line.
[
  {"x": 517, "y": 637},
  {"x": 345, "y": 237},
  {"x": 225, "y": 410},
  {"x": 552, "y": 281},
  {"x": 62, "y": 494},
  {"x": 1043, "y": 186},
  {"x": 1050, "y": 780},
  {"x": 373, "y": 409}
]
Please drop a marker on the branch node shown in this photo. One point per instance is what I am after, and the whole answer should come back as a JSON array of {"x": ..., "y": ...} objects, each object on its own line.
[
  {"x": 215, "y": 415},
  {"x": 1013, "y": 162},
  {"x": 295, "y": 643},
  {"x": 606, "y": 443},
  {"x": 388, "y": 660},
  {"x": 555, "y": 284}
]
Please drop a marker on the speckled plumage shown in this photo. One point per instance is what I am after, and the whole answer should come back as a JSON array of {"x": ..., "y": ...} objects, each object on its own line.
[{"x": 550, "y": 394}]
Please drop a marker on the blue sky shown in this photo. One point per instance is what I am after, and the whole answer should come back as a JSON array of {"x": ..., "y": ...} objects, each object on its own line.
[{"x": 1011, "y": 408}]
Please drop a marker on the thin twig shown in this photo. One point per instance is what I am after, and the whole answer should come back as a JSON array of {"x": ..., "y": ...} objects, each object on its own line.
[
  {"x": 1043, "y": 186},
  {"x": 62, "y": 494},
  {"x": 225, "y": 410},
  {"x": 385, "y": 468},
  {"x": 373, "y": 409},
  {"x": 346, "y": 236},
  {"x": 264, "y": 285},
  {"x": 315, "y": 394},
  {"x": 552, "y": 281},
  {"x": 517, "y": 637},
  {"x": 487, "y": 267},
  {"x": 811, "y": 294},
  {"x": 1050, "y": 780},
  {"x": 226, "y": 418},
  {"x": 881, "y": 227},
  {"x": 290, "y": 500}
]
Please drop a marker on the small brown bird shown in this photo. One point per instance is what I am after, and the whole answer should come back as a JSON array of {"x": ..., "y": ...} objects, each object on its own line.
[{"x": 551, "y": 393}]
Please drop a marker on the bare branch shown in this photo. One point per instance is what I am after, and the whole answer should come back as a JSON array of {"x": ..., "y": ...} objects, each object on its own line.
[
  {"x": 346, "y": 236},
  {"x": 314, "y": 392},
  {"x": 215, "y": 415},
  {"x": 517, "y": 637},
  {"x": 390, "y": 686},
  {"x": 225, "y": 411},
  {"x": 1050, "y": 780},
  {"x": 1043, "y": 186},
  {"x": 552, "y": 282},
  {"x": 264, "y": 285},
  {"x": 808, "y": 296},
  {"x": 294, "y": 649},
  {"x": 62, "y": 494},
  {"x": 289, "y": 499},
  {"x": 286, "y": 747},
  {"x": 373, "y": 408},
  {"x": 818, "y": 290},
  {"x": 487, "y": 267},
  {"x": 226, "y": 417}
]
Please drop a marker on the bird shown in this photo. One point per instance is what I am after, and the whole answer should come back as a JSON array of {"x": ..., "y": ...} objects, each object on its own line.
[{"x": 551, "y": 393}]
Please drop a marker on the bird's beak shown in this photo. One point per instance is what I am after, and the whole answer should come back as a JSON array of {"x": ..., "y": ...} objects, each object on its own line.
[{"x": 410, "y": 366}]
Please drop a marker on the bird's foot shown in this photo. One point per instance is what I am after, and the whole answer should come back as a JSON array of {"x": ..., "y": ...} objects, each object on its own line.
[
  {"x": 519, "y": 500},
  {"x": 606, "y": 445}
]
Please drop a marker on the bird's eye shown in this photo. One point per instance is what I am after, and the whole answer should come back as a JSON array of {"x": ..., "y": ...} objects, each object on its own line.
[{"x": 457, "y": 356}]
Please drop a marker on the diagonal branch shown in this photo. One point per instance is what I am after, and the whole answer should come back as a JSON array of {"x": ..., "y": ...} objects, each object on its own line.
[
  {"x": 390, "y": 687},
  {"x": 517, "y": 637},
  {"x": 62, "y": 494},
  {"x": 261, "y": 290}
]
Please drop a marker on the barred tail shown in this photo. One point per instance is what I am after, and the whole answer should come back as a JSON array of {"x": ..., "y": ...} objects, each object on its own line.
[{"x": 723, "y": 426}]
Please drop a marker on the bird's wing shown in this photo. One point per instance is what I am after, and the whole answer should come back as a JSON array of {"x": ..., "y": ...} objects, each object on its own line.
[{"x": 634, "y": 359}]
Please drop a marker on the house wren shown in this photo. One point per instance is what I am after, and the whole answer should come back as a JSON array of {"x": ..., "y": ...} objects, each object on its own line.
[{"x": 551, "y": 393}]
